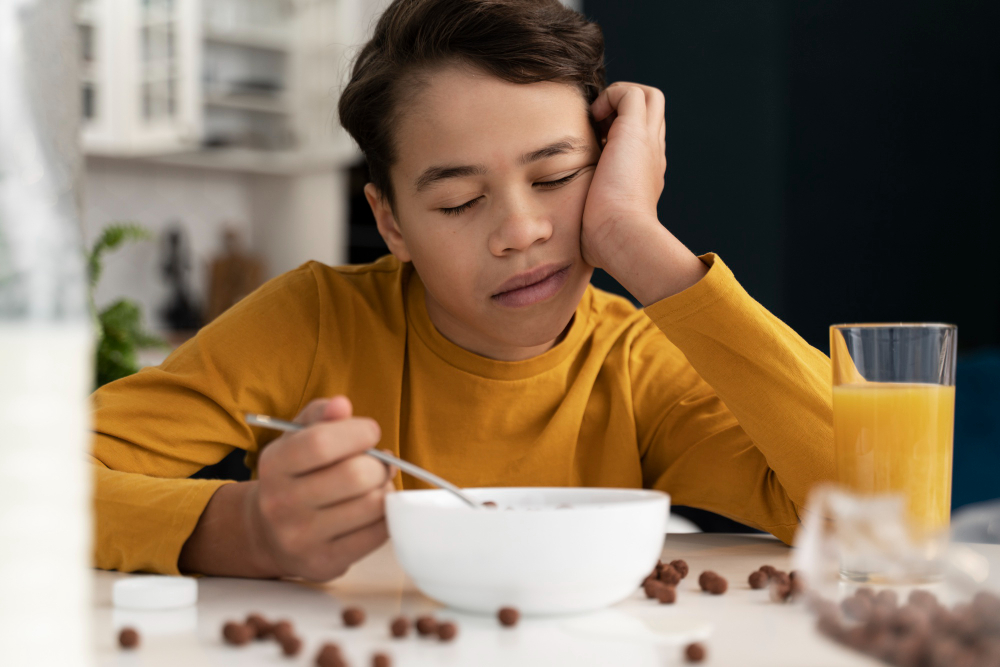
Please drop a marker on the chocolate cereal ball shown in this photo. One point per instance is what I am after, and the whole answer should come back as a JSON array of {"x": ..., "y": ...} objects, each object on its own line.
[
  {"x": 669, "y": 575},
  {"x": 353, "y": 616},
  {"x": 128, "y": 638},
  {"x": 281, "y": 629},
  {"x": 694, "y": 652},
  {"x": 666, "y": 594},
  {"x": 758, "y": 579},
  {"x": 400, "y": 627},
  {"x": 291, "y": 645},
  {"x": 260, "y": 626},
  {"x": 781, "y": 577},
  {"x": 508, "y": 616},
  {"x": 446, "y": 631},
  {"x": 426, "y": 625},
  {"x": 329, "y": 656},
  {"x": 681, "y": 566},
  {"x": 858, "y": 607},
  {"x": 237, "y": 634},
  {"x": 381, "y": 660},
  {"x": 713, "y": 583},
  {"x": 780, "y": 592}
]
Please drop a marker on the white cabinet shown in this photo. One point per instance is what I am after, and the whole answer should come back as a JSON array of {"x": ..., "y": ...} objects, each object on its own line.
[{"x": 243, "y": 85}]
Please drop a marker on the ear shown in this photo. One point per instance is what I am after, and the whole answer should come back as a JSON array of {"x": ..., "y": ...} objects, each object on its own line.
[{"x": 387, "y": 225}]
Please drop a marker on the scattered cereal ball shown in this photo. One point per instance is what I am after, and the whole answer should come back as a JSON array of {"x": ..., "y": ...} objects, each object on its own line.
[
  {"x": 282, "y": 628},
  {"x": 921, "y": 598},
  {"x": 758, "y": 579},
  {"x": 797, "y": 583},
  {"x": 508, "y": 616},
  {"x": 781, "y": 577},
  {"x": 237, "y": 634},
  {"x": 718, "y": 586},
  {"x": 381, "y": 660},
  {"x": 769, "y": 570},
  {"x": 681, "y": 566},
  {"x": 446, "y": 631},
  {"x": 650, "y": 585},
  {"x": 713, "y": 583},
  {"x": 489, "y": 503},
  {"x": 400, "y": 627},
  {"x": 329, "y": 656},
  {"x": 666, "y": 594},
  {"x": 858, "y": 607},
  {"x": 828, "y": 624},
  {"x": 780, "y": 592},
  {"x": 353, "y": 617},
  {"x": 426, "y": 625},
  {"x": 694, "y": 652},
  {"x": 290, "y": 645},
  {"x": 670, "y": 576},
  {"x": 259, "y": 624},
  {"x": 128, "y": 638}
]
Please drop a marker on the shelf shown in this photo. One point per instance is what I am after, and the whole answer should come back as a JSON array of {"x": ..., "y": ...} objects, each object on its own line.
[
  {"x": 247, "y": 160},
  {"x": 251, "y": 39},
  {"x": 255, "y": 103}
]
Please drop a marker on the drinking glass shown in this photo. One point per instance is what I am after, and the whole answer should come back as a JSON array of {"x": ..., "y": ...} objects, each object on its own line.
[{"x": 893, "y": 421}]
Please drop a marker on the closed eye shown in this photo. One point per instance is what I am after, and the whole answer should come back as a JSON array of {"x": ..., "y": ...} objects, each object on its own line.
[{"x": 545, "y": 185}]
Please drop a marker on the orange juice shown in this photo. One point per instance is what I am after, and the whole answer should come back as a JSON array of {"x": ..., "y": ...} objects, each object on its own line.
[{"x": 897, "y": 437}]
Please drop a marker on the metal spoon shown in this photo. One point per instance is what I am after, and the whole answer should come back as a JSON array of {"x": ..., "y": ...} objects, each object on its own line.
[{"x": 418, "y": 472}]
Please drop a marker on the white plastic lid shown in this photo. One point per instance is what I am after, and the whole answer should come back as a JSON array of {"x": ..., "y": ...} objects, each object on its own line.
[{"x": 155, "y": 592}]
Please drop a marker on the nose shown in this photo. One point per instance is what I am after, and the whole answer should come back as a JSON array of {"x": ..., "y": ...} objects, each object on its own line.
[{"x": 518, "y": 227}]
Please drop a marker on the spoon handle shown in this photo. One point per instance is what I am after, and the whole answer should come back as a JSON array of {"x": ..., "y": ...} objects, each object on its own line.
[{"x": 385, "y": 457}]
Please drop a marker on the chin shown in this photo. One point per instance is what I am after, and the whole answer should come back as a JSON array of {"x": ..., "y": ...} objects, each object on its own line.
[{"x": 538, "y": 331}]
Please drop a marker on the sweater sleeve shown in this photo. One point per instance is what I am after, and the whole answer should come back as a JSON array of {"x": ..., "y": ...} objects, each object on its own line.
[
  {"x": 733, "y": 407},
  {"x": 157, "y": 427}
]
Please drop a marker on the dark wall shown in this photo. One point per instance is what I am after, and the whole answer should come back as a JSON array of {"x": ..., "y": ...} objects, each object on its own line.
[
  {"x": 842, "y": 156},
  {"x": 722, "y": 66}
]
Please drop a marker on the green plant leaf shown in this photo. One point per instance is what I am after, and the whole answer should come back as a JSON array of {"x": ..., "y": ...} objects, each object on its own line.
[
  {"x": 120, "y": 331},
  {"x": 110, "y": 239}
]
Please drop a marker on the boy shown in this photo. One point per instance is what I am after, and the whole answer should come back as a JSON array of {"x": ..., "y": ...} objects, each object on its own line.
[{"x": 502, "y": 173}]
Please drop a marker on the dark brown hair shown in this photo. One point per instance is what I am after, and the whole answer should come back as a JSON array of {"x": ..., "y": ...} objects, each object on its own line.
[{"x": 520, "y": 41}]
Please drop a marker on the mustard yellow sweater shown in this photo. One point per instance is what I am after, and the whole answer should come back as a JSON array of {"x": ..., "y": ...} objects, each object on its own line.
[{"x": 705, "y": 395}]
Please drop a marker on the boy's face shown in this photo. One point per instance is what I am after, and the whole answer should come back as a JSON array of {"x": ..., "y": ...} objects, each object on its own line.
[{"x": 473, "y": 143}]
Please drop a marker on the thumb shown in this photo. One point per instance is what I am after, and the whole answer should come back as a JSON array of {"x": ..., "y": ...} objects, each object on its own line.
[{"x": 325, "y": 409}]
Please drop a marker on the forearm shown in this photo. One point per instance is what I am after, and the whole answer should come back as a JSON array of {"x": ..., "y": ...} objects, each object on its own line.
[
  {"x": 651, "y": 263},
  {"x": 228, "y": 539},
  {"x": 774, "y": 382}
]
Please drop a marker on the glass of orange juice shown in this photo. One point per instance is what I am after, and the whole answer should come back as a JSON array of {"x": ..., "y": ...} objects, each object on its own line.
[{"x": 894, "y": 420}]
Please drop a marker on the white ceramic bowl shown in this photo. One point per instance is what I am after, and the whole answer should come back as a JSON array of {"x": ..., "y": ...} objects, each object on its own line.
[{"x": 532, "y": 552}]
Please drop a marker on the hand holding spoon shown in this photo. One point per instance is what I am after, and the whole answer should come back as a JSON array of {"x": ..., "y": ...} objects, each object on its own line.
[{"x": 265, "y": 421}]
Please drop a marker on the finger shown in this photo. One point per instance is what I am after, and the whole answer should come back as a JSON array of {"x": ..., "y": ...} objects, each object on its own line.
[
  {"x": 325, "y": 409},
  {"x": 323, "y": 444},
  {"x": 341, "y": 552},
  {"x": 348, "y": 479},
  {"x": 608, "y": 99},
  {"x": 632, "y": 105},
  {"x": 346, "y": 517},
  {"x": 655, "y": 109},
  {"x": 663, "y": 132}
]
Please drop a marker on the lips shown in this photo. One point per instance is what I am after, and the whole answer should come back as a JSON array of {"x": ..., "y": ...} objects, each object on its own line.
[
  {"x": 533, "y": 286},
  {"x": 531, "y": 277}
]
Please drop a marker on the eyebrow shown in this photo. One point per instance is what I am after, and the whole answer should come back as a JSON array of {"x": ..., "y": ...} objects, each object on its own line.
[{"x": 436, "y": 174}]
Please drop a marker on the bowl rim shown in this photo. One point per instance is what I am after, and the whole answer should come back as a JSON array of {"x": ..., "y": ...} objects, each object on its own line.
[{"x": 642, "y": 496}]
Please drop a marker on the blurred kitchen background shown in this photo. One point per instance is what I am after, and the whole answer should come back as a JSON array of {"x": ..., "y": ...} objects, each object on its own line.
[{"x": 842, "y": 156}]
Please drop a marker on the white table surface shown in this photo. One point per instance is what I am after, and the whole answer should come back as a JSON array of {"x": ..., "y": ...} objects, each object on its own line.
[{"x": 742, "y": 627}]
